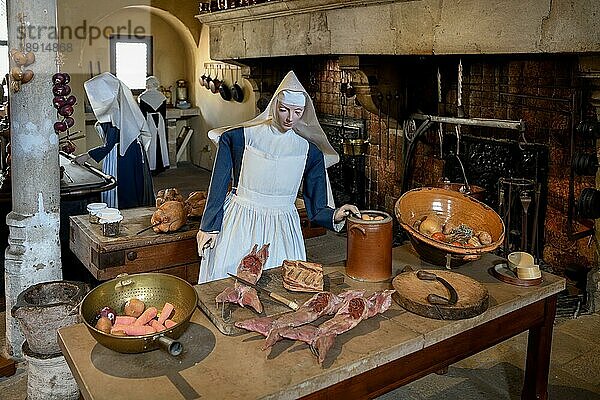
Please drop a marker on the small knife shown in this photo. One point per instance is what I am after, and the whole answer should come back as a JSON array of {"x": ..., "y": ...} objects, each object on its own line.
[{"x": 290, "y": 303}]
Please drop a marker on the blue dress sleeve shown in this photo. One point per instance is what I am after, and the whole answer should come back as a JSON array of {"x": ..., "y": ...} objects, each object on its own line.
[
  {"x": 315, "y": 189},
  {"x": 112, "y": 138},
  {"x": 212, "y": 218}
]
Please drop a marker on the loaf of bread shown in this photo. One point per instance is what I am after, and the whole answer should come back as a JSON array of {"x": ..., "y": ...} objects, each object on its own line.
[{"x": 302, "y": 276}]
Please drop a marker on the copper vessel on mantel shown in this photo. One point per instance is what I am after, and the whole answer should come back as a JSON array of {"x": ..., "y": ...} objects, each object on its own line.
[{"x": 369, "y": 250}]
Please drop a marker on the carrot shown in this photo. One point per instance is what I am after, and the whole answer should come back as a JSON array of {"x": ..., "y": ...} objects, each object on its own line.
[
  {"x": 135, "y": 330},
  {"x": 117, "y": 329},
  {"x": 169, "y": 323},
  {"x": 157, "y": 325},
  {"x": 146, "y": 316},
  {"x": 124, "y": 320},
  {"x": 165, "y": 313}
]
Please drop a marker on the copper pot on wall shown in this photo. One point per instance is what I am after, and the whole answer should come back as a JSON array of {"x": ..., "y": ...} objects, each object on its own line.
[{"x": 369, "y": 250}]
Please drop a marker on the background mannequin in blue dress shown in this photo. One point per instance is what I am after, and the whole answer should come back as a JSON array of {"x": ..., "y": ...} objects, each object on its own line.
[
  {"x": 153, "y": 105},
  {"x": 265, "y": 160},
  {"x": 125, "y": 134}
]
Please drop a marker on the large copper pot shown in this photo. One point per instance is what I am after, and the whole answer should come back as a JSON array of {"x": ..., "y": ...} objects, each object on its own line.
[{"x": 369, "y": 250}]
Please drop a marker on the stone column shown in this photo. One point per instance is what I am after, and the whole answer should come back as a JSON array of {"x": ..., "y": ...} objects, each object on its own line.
[{"x": 33, "y": 253}]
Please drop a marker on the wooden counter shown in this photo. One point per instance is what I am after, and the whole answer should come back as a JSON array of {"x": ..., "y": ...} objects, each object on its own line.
[{"x": 380, "y": 354}]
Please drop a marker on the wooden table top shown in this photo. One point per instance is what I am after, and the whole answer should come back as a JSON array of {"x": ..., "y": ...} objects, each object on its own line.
[
  {"x": 134, "y": 220},
  {"x": 219, "y": 366}
]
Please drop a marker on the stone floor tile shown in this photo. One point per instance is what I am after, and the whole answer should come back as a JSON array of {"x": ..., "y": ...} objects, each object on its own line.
[
  {"x": 585, "y": 327},
  {"x": 566, "y": 347},
  {"x": 585, "y": 367}
]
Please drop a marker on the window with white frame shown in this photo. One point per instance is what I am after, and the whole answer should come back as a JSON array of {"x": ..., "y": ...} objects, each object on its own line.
[{"x": 131, "y": 60}]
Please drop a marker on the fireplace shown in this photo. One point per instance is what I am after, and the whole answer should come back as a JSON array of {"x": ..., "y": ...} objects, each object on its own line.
[{"x": 348, "y": 176}]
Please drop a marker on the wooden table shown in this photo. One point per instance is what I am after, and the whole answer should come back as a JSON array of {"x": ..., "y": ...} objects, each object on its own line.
[
  {"x": 380, "y": 354},
  {"x": 105, "y": 257},
  {"x": 171, "y": 253}
]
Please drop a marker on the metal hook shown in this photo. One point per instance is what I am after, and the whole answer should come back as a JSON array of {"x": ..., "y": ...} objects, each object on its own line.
[{"x": 523, "y": 140}]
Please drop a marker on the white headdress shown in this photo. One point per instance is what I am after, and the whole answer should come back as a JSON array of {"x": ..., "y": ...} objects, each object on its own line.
[
  {"x": 113, "y": 102},
  {"x": 151, "y": 95},
  {"x": 308, "y": 127}
]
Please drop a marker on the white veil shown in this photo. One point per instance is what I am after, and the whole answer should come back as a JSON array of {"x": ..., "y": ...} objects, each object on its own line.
[
  {"x": 308, "y": 127},
  {"x": 113, "y": 102}
]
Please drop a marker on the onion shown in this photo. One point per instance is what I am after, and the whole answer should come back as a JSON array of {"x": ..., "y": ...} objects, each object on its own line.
[
  {"x": 66, "y": 111},
  {"x": 59, "y": 101},
  {"x": 108, "y": 313},
  {"x": 60, "y": 127},
  {"x": 58, "y": 78},
  {"x": 61, "y": 90}
]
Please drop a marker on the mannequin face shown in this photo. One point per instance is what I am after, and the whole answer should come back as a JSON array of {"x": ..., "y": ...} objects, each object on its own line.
[{"x": 287, "y": 116}]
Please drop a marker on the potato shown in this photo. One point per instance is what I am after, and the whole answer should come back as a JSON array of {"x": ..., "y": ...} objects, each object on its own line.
[
  {"x": 430, "y": 226},
  {"x": 104, "y": 324},
  {"x": 484, "y": 237},
  {"x": 134, "y": 307}
]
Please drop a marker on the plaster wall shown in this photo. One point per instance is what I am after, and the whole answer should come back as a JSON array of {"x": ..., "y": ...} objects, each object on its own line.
[
  {"x": 180, "y": 51},
  {"x": 89, "y": 57}
]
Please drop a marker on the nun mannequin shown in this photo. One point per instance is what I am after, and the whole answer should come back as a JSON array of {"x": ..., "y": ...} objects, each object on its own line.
[
  {"x": 123, "y": 129},
  {"x": 154, "y": 107},
  {"x": 265, "y": 160}
]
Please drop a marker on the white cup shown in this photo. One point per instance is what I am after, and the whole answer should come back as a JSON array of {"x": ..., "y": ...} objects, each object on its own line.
[
  {"x": 93, "y": 209},
  {"x": 523, "y": 265},
  {"x": 531, "y": 272}
]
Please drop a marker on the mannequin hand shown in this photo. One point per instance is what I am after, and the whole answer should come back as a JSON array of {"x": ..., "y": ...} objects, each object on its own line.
[
  {"x": 82, "y": 159},
  {"x": 204, "y": 240},
  {"x": 341, "y": 213}
]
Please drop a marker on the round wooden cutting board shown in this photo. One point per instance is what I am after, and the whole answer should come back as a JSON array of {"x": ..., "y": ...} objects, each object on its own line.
[{"x": 412, "y": 292}]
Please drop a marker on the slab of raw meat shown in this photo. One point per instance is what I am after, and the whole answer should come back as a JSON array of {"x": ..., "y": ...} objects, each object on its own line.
[
  {"x": 349, "y": 315},
  {"x": 323, "y": 303},
  {"x": 250, "y": 269}
]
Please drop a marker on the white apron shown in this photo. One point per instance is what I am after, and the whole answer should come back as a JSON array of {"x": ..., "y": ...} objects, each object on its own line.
[
  {"x": 261, "y": 211},
  {"x": 158, "y": 138}
]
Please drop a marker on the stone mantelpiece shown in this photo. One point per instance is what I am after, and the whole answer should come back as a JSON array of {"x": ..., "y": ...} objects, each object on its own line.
[{"x": 420, "y": 27}]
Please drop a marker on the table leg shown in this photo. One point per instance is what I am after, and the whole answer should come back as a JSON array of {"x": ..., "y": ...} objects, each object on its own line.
[{"x": 538, "y": 355}]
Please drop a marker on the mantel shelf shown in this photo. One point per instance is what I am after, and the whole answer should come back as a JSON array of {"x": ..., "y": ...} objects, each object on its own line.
[{"x": 279, "y": 8}]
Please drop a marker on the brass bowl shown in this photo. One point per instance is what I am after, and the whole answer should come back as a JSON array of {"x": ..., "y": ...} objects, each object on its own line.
[
  {"x": 355, "y": 147},
  {"x": 154, "y": 289},
  {"x": 449, "y": 206}
]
